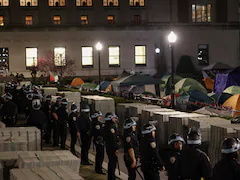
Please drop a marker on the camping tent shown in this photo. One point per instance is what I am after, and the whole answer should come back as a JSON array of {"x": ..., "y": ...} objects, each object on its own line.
[
  {"x": 189, "y": 84},
  {"x": 234, "y": 103},
  {"x": 167, "y": 83},
  {"x": 77, "y": 82},
  {"x": 88, "y": 85},
  {"x": 226, "y": 79},
  {"x": 232, "y": 90},
  {"x": 220, "y": 98},
  {"x": 209, "y": 83}
]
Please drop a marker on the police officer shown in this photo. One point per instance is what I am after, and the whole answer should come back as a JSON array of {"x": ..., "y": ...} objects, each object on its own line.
[
  {"x": 151, "y": 162},
  {"x": 54, "y": 109},
  {"x": 72, "y": 119},
  {"x": 131, "y": 147},
  {"x": 112, "y": 143},
  {"x": 84, "y": 124},
  {"x": 9, "y": 110},
  {"x": 37, "y": 117},
  {"x": 228, "y": 167},
  {"x": 46, "y": 108},
  {"x": 62, "y": 122},
  {"x": 194, "y": 164},
  {"x": 176, "y": 144},
  {"x": 97, "y": 133}
]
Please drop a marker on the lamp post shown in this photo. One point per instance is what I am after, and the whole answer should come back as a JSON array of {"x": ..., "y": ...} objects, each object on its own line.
[
  {"x": 99, "y": 48},
  {"x": 172, "y": 38}
]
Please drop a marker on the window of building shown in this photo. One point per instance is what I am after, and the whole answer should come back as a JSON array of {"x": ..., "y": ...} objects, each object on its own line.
[
  {"x": 59, "y": 56},
  {"x": 31, "y": 57},
  {"x": 1, "y": 21},
  {"x": 4, "y": 2},
  {"x": 137, "y": 19},
  {"x": 56, "y": 20},
  {"x": 136, "y": 3},
  {"x": 28, "y": 2},
  {"x": 203, "y": 54},
  {"x": 201, "y": 13},
  {"x": 87, "y": 56},
  {"x": 140, "y": 55},
  {"x": 110, "y": 2},
  {"x": 111, "y": 20},
  {"x": 56, "y": 2},
  {"x": 28, "y": 20},
  {"x": 114, "y": 55},
  {"x": 4, "y": 57},
  {"x": 83, "y": 2},
  {"x": 84, "y": 20}
]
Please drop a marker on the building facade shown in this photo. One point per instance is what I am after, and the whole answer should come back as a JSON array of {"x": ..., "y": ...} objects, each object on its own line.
[{"x": 129, "y": 30}]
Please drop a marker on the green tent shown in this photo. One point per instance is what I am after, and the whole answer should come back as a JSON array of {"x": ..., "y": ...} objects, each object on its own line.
[
  {"x": 232, "y": 90},
  {"x": 87, "y": 85},
  {"x": 189, "y": 84},
  {"x": 167, "y": 82}
]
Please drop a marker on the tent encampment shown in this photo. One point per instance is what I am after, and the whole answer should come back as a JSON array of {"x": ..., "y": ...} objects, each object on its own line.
[
  {"x": 77, "y": 82},
  {"x": 189, "y": 84},
  {"x": 168, "y": 82},
  {"x": 220, "y": 98},
  {"x": 232, "y": 90},
  {"x": 234, "y": 103},
  {"x": 227, "y": 78}
]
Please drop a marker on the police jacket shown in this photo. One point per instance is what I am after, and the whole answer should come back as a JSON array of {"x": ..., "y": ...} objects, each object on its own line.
[
  {"x": 194, "y": 164},
  {"x": 226, "y": 169},
  {"x": 37, "y": 118},
  {"x": 97, "y": 130},
  {"x": 62, "y": 115},
  {"x": 172, "y": 165},
  {"x": 9, "y": 110},
  {"x": 111, "y": 137},
  {"x": 84, "y": 123},
  {"x": 149, "y": 153},
  {"x": 72, "y": 119},
  {"x": 54, "y": 109},
  {"x": 130, "y": 141},
  {"x": 46, "y": 109}
]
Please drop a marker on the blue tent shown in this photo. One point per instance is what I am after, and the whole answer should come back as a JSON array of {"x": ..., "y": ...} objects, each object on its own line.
[
  {"x": 227, "y": 78},
  {"x": 220, "y": 98},
  {"x": 104, "y": 85}
]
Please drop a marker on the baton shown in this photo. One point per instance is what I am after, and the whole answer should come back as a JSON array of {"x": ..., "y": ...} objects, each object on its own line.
[
  {"x": 80, "y": 144},
  {"x": 139, "y": 173},
  {"x": 118, "y": 167}
]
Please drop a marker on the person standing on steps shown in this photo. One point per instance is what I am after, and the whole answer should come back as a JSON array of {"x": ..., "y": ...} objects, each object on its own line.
[
  {"x": 151, "y": 163},
  {"x": 84, "y": 124},
  {"x": 112, "y": 141},
  {"x": 131, "y": 147},
  {"x": 72, "y": 119},
  {"x": 98, "y": 140}
]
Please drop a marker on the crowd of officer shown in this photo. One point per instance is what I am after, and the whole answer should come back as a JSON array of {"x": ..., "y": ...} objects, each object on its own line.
[{"x": 185, "y": 160}]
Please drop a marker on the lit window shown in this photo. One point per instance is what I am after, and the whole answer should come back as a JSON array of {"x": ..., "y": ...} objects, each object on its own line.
[
  {"x": 4, "y": 58},
  {"x": 56, "y": 20},
  {"x": 203, "y": 54},
  {"x": 56, "y": 2},
  {"x": 59, "y": 56},
  {"x": 111, "y": 20},
  {"x": 137, "y": 19},
  {"x": 136, "y": 2},
  {"x": 1, "y": 21},
  {"x": 114, "y": 55},
  {"x": 31, "y": 57},
  {"x": 4, "y": 2},
  {"x": 110, "y": 2},
  {"x": 87, "y": 56},
  {"x": 201, "y": 13},
  {"x": 28, "y": 2},
  {"x": 84, "y": 20},
  {"x": 28, "y": 20},
  {"x": 83, "y": 2},
  {"x": 140, "y": 55}
]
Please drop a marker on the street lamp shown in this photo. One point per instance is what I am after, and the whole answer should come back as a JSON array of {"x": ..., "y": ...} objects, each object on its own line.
[
  {"x": 172, "y": 38},
  {"x": 157, "y": 50},
  {"x": 99, "y": 48}
]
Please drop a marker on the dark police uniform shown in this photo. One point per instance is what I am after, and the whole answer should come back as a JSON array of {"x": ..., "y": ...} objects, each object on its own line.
[
  {"x": 46, "y": 108},
  {"x": 150, "y": 159},
  {"x": 130, "y": 141},
  {"x": 84, "y": 126},
  {"x": 111, "y": 138},
  {"x": 62, "y": 124},
  {"x": 98, "y": 140},
  {"x": 72, "y": 119},
  {"x": 54, "y": 109},
  {"x": 9, "y": 113},
  {"x": 172, "y": 165},
  {"x": 226, "y": 169},
  {"x": 194, "y": 164}
]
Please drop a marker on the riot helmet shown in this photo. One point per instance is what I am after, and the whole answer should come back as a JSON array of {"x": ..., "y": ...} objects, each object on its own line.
[
  {"x": 110, "y": 116},
  {"x": 7, "y": 96},
  {"x": 85, "y": 108},
  {"x": 36, "y": 104},
  {"x": 148, "y": 128},
  {"x": 64, "y": 102},
  {"x": 74, "y": 107},
  {"x": 96, "y": 114},
  {"x": 175, "y": 138},
  {"x": 129, "y": 123},
  {"x": 194, "y": 137},
  {"x": 230, "y": 145}
]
